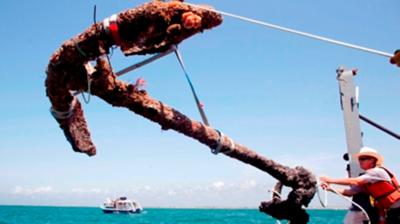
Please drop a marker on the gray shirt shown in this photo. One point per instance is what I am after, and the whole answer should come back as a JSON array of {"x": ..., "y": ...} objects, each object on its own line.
[{"x": 375, "y": 174}]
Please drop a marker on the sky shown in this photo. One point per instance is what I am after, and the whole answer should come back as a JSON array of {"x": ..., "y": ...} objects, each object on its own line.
[{"x": 271, "y": 91}]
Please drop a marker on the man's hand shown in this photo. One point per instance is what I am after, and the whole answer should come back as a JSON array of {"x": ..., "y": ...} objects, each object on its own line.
[
  {"x": 325, "y": 186},
  {"x": 324, "y": 179}
]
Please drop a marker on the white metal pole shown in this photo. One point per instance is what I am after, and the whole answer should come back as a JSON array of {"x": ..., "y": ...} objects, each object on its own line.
[{"x": 349, "y": 103}]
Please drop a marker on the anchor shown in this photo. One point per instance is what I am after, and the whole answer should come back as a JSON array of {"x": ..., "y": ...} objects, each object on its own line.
[{"x": 154, "y": 27}]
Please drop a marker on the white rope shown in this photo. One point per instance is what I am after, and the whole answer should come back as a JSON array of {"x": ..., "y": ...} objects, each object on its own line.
[
  {"x": 272, "y": 198},
  {"x": 219, "y": 143},
  {"x": 89, "y": 82},
  {"x": 231, "y": 146},
  {"x": 354, "y": 203},
  {"x": 324, "y": 203},
  {"x": 313, "y": 36},
  {"x": 61, "y": 115},
  {"x": 89, "y": 71},
  {"x": 274, "y": 192}
]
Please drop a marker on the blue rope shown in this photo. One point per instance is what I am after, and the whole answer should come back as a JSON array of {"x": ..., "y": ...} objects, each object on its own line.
[{"x": 199, "y": 107}]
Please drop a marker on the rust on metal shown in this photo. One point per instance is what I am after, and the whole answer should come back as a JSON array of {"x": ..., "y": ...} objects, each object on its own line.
[{"x": 153, "y": 28}]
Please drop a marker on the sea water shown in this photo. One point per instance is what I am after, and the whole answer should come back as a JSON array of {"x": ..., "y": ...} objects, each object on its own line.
[{"x": 87, "y": 215}]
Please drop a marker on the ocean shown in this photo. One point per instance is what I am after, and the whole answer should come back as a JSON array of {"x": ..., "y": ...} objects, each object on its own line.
[{"x": 87, "y": 215}]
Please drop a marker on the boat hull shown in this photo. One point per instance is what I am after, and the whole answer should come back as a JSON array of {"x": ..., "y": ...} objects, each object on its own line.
[{"x": 117, "y": 211}]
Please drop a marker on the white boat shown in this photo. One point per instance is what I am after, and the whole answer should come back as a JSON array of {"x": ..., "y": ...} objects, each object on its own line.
[{"x": 121, "y": 205}]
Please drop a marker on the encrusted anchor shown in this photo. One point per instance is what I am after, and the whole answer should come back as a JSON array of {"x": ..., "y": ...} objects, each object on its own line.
[{"x": 152, "y": 28}]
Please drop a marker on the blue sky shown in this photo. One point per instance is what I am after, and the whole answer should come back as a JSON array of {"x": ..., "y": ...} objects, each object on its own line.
[{"x": 271, "y": 91}]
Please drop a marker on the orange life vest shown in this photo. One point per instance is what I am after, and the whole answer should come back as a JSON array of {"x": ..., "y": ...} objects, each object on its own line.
[{"x": 384, "y": 193}]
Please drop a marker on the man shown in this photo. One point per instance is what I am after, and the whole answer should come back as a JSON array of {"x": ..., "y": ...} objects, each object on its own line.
[
  {"x": 355, "y": 215},
  {"x": 377, "y": 181},
  {"x": 396, "y": 58}
]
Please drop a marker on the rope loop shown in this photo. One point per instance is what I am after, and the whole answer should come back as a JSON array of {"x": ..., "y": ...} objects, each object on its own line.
[
  {"x": 273, "y": 192},
  {"x": 346, "y": 198},
  {"x": 220, "y": 144},
  {"x": 324, "y": 203},
  {"x": 89, "y": 70},
  {"x": 62, "y": 115},
  {"x": 231, "y": 146}
]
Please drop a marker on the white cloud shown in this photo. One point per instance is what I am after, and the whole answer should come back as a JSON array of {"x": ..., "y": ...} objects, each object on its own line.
[
  {"x": 32, "y": 191},
  {"x": 18, "y": 190},
  {"x": 218, "y": 185},
  {"x": 46, "y": 189},
  {"x": 202, "y": 194},
  {"x": 248, "y": 184},
  {"x": 88, "y": 191},
  {"x": 172, "y": 193}
]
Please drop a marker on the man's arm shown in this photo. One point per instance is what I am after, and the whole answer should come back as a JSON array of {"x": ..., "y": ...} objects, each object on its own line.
[
  {"x": 346, "y": 192},
  {"x": 343, "y": 181}
]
